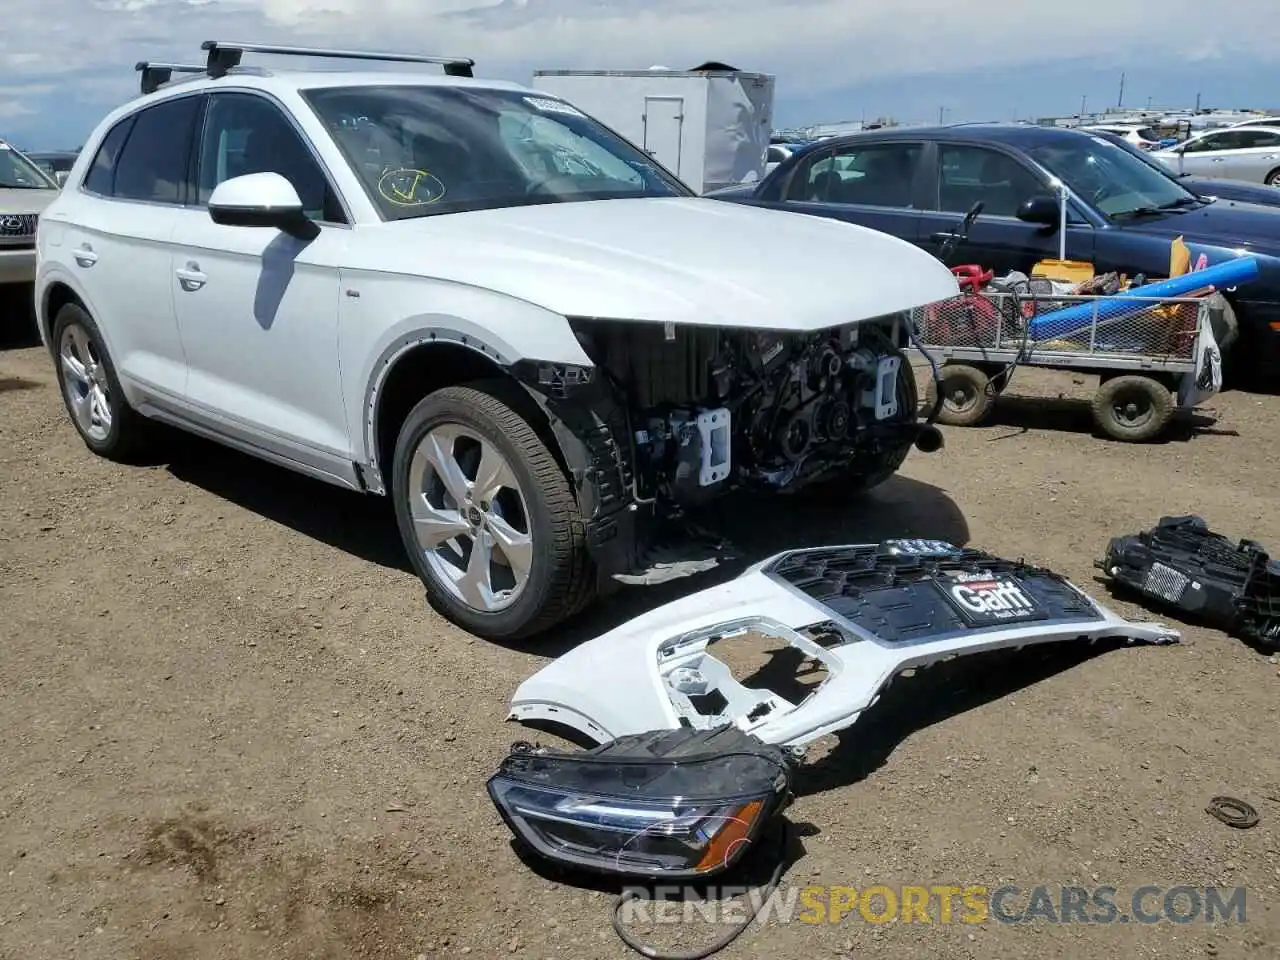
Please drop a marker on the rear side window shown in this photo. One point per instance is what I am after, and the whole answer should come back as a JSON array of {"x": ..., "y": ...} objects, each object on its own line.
[
  {"x": 101, "y": 178},
  {"x": 154, "y": 162}
]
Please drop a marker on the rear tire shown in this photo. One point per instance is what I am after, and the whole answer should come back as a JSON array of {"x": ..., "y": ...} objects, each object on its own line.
[
  {"x": 1132, "y": 408},
  {"x": 469, "y": 469},
  {"x": 91, "y": 390},
  {"x": 1273, "y": 178}
]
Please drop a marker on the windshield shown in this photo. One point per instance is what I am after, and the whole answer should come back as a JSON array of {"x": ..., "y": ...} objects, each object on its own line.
[
  {"x": 1110, "y": 177},
  {"x": 19, "y": 173},
  {"x": 421, "y": 151}
]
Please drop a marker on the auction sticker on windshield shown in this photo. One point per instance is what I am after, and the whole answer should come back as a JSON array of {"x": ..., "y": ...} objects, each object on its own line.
[
  {"x": 547, "y": 105},
  {"x": 984, "y": 599}
]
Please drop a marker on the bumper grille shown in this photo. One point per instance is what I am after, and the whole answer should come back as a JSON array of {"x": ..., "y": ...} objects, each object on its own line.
[{"x": 18, "y": 228}]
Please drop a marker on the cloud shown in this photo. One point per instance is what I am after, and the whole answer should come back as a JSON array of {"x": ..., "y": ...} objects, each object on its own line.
[{"x": 88, "y": 47}]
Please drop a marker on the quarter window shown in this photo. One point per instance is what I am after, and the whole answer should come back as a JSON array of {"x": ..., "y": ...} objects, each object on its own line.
[
  {"x": 245, "y": 133},
  {"x": 880, "y": 175},
  {"x": 101, "y": 178},
  {"x": 152, "y": 165}
]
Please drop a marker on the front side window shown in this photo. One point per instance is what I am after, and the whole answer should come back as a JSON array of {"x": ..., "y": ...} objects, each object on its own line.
[
  {"x": 426, "y": 150},
  {"x": 969, "y": 175},
  {"x": 152, "y": 166},
  {"x": 245, "y": 133},
  {"x": 19, "y": 173},
  {"x": 1215, "y": 141},
  {"x": 881, "y": 175},
  {"x": 1110, "y": 177}
]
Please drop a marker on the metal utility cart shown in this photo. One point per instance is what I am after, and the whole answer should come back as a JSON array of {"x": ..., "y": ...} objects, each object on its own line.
[{"x": 1142, "y": 356}]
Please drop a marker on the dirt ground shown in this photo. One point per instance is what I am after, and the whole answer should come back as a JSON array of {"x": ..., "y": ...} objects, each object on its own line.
[{"x": 232, "y": 728}]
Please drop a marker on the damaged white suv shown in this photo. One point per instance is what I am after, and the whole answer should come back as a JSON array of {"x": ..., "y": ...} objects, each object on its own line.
[{"x": 469, "y": 296}]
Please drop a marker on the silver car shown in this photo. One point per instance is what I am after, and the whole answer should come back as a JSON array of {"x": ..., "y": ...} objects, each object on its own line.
[
  {"x": 25, "y": 190},
  {"x": 1238, "y": 153}
]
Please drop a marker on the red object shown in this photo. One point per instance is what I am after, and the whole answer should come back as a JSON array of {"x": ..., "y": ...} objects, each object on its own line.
[{"x": 971, "y": 275}]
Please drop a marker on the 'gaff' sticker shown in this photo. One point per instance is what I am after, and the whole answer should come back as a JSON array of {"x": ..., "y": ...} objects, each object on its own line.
[{"x": 553, "y": 106}]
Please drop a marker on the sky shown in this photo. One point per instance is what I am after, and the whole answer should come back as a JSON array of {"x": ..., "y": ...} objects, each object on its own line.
[{"x": 65, "y": 63}]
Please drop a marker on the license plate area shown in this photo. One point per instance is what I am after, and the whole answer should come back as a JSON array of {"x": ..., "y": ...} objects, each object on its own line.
[{"x": 987, "y": 600}]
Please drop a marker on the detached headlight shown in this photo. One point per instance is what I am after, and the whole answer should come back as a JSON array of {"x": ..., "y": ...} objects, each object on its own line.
[{"x": 672, "y": 803}]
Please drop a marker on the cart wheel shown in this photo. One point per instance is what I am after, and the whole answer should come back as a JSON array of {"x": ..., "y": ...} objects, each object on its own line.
[
  {"x": 1132, "y": 408},
  {"x": 966, "y": 400}
]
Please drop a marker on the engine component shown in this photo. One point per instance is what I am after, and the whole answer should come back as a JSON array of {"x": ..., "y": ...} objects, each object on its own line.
[
  {"x": 1180, "y": 563},
  {"x": 670, "y": 803},
  {"x": 711, "y": 407}
]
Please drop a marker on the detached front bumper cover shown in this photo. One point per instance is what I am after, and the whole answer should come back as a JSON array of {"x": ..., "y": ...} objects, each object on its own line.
[{"x": 864, "y": 612}]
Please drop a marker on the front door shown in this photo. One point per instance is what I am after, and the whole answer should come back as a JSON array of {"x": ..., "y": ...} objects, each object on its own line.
[
  {"x": 257, "y": 308},
  {"x": 1211, "y": 155},
  {"x": 998, "y": 240}
]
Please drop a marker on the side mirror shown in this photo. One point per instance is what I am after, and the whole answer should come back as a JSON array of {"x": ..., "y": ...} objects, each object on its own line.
[
  {"x": 61, "y": 176},
  {"x": 1044, "y": 210},
  {"x": 261, "y": 200}
]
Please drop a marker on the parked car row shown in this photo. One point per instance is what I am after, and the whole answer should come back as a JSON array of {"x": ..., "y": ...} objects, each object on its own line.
[{"x": 1124, "y": 209}]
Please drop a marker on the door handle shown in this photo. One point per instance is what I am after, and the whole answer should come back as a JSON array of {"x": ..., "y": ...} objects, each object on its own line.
[
  {"x": 85, "y": 256},
  {"x": 190, "y": 277}
]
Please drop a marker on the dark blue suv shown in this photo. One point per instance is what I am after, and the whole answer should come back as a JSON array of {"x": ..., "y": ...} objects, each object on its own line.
[{"x": 917, "y": 183}]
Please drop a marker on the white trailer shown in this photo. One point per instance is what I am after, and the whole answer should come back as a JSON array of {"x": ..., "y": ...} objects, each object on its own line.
[{"x": 710, "y": 126}]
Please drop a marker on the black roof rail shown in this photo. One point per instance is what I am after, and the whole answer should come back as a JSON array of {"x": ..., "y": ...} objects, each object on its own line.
[
  {"x": 223, "y": 55},
  {"x": 155, "y": 75}
]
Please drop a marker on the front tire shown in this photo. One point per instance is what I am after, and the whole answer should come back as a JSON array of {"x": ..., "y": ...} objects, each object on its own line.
[
  {"x": 487, "y": 516},
  {"x": 91, "y": 389}
]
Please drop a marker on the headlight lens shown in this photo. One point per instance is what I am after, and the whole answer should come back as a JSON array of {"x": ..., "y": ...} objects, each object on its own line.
[{"x": 623, "y": 809}]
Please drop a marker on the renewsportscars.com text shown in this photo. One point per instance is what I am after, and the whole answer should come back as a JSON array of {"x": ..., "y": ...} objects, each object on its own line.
[{"x": 940, "y": 904}]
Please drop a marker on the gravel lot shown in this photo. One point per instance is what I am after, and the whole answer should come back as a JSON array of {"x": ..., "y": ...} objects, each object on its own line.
[{"x": 232, "y": 727}]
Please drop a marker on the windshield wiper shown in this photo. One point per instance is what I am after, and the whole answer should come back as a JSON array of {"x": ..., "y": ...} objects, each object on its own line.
[
  {"x": 1183, "y": 202},
  {"x": 23, "y": 186},
  {"x": 1140, "y": 212}
]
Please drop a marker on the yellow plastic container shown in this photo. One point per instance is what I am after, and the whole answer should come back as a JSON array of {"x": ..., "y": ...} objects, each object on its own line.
[{"x": 1068, "y": 271}]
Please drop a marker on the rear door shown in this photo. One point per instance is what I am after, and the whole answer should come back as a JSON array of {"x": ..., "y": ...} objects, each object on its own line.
[
  {"x": 874, "y": 184},
  {"x": 1256, "y": 159},
  {"x": 121, "y": 223},
  {"x": 965, "y": 174}
]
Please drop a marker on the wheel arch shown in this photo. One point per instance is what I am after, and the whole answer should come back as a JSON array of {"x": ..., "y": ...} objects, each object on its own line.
[
  {"x": 51, "y": 298},
  {"x": 419, "y": 364}
]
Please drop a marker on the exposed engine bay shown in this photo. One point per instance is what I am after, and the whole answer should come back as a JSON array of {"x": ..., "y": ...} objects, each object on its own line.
[{"x": 710, "y": 407}]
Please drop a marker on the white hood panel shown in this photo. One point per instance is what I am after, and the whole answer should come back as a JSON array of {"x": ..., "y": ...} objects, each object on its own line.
[{"x": 678, "y": 260}]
